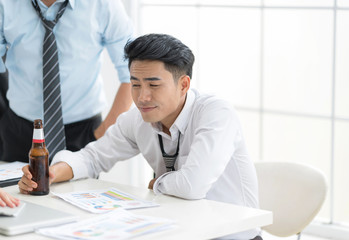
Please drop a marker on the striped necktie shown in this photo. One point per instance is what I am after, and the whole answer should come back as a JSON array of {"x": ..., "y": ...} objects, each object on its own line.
[{"x": 53, "y": 120}]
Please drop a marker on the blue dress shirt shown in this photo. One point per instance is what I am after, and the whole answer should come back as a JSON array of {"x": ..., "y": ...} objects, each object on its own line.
[{"x": 84, "y": 30}]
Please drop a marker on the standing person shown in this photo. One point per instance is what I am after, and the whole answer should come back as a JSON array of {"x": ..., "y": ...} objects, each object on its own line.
[
  {"x": 193, "y": 142},
  {"x": 54, "y": 60}
]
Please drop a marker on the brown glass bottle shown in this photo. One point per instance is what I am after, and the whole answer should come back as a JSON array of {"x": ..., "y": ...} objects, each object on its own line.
[{"x": 38, "y": 160}]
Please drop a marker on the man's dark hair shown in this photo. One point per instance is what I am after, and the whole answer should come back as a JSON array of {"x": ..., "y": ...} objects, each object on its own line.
[{"x": 176, "y": 56}]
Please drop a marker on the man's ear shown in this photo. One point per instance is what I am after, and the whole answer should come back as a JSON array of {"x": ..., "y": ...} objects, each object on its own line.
[{"x": 184, "y": 84}]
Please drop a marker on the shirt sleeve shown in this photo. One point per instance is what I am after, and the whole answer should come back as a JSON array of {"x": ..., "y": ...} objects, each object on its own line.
[
  {"x": 118, "y": 31},
  {"x": 102, "y": 154},
  {"x": 216, "y": 136},
  {"x": 2, "y": 40}
]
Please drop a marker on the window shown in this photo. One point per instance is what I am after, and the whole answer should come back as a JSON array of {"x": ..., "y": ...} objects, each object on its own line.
[{"x": 283, "y": 65}]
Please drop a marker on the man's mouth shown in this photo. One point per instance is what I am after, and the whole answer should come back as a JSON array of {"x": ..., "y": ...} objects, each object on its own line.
[{"x": 146, "y": 109}]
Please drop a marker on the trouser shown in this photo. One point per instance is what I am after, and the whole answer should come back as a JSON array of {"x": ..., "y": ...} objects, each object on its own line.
[
  {"x": 257, "y": 238},
  {"x": 16, "y": 134},
  {"x": 3, "y": 99}
]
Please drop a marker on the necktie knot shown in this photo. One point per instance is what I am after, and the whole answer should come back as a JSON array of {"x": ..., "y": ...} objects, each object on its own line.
[{"x": 49, "y": 25}]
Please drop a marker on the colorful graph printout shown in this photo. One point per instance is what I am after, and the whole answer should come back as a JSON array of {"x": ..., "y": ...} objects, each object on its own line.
[
  {"x": 11, "y": 170},
  {"x": 118, "y": 224},
  {"x": 101, "y": 201}
]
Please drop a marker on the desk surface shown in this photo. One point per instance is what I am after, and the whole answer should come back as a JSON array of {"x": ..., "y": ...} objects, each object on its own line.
[{"x": 195, "y": 219}]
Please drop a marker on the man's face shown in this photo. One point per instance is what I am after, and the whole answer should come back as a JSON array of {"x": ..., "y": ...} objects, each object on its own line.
[{"x": 157, "y": 96}]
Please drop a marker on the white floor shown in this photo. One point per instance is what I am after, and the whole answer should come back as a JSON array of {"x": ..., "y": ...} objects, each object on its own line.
[{"x": 267, "y": 236}]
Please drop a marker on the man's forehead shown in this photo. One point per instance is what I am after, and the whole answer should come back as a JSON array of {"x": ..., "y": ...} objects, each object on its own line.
[
  {"x": 147, "y": 64},
  {"x": 152, "y": 70}
]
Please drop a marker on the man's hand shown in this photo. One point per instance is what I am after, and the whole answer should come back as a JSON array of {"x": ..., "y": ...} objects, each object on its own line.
[
  {"x": 7, "y": 200},
  {"x": 58, "y": 172},
  {"x": 26, "y": 184},
  {"x": 151, "y": 183}
]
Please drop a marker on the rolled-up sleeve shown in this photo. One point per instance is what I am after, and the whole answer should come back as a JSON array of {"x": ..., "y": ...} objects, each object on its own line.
[{"x": 118, "y": 31}]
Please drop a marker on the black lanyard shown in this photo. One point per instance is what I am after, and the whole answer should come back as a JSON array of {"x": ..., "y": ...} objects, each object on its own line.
[{"x": 169, "y": 159}]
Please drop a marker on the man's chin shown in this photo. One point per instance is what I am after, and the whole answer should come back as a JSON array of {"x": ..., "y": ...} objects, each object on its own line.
[{"x": 149, "y": 119}]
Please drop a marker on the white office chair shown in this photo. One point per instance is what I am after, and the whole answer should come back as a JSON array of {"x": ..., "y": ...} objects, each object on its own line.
[{"x": 294, "y": 192}]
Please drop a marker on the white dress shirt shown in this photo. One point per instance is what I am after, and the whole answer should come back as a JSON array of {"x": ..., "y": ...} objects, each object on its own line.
[{"x": 212, "y": 163}]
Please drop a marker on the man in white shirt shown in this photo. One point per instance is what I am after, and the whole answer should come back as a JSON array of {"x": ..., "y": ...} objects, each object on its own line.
[{"x": 193, "y": 142}]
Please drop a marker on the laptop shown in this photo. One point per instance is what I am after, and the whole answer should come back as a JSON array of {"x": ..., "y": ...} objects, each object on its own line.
[
  {"x": 12, "y": 212},
  {"x": 32, "y": 217}
]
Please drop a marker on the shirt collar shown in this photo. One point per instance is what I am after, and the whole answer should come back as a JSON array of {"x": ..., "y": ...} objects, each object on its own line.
[
  {"x": 181, "y": 121},
  {"x": 72, "y": 3}
]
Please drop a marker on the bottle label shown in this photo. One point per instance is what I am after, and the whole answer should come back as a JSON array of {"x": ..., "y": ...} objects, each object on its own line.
[{"x": 38, "y": 136}]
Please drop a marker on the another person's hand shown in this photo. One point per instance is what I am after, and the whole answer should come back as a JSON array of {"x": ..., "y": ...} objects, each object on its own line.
[
  {"x": 151, "y": 183},
  {"x": 8, "y": 200},
  {"x": 26, "y": 184}
]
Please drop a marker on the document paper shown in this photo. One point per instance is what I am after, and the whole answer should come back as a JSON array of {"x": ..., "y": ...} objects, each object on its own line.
[
  {"x": 101, "y": 201},
  {"x": 118, "y": 224},
  {"x": 11, "y": 170},
  {"x": 11, "y": 173}
]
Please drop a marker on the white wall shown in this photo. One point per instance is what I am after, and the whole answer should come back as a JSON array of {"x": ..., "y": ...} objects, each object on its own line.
[{"x": 135, "y": 171}]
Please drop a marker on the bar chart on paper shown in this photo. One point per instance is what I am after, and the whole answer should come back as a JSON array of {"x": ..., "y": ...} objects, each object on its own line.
[
  {"x": 100, "y": 201},
  {"x": 10, "y": 173},
  {"x": 118, "y": 224}
]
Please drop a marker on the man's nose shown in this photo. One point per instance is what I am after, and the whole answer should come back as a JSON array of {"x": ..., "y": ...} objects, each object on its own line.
[{"x": 144, "y": 95}]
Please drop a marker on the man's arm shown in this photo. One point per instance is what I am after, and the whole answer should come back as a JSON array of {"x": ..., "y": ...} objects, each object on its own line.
[
  {"x": 122, "y": 103},
  {"x": 60, "y": 172}
]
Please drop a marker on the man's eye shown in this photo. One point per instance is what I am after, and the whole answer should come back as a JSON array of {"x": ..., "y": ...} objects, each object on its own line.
[
  {"x": 154, "y": 85},
  {"x": 135, "y": 85}
]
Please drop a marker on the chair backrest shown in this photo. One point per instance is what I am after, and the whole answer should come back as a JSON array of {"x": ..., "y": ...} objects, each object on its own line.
[{"x": 294, "y": 192}]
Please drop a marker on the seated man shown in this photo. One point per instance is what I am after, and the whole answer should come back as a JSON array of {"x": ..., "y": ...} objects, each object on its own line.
[{"x": 193, "y": 142}]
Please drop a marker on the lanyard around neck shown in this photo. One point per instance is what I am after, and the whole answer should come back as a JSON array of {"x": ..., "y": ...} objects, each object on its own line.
[{"x": 169, "y": 159}]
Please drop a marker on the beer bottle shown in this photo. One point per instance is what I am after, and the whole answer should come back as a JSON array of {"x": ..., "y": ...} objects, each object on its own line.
[{"x": 38, "y": 160}]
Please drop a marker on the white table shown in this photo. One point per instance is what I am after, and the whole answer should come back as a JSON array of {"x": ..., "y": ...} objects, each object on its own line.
[{"x": 195, "y": 219}]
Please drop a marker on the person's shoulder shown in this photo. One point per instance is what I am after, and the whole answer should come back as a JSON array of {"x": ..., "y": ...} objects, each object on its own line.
[
  {"x": 210, "y": 110},
  {"x": 15, "y": 9},
  {"x": 207, "y": 100},
  {"x": 106, "y": 4},
  {"x": 131, "y": 124},
  {"x": 12, "y": 3},
  {"x": 131, "y": 115}
]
